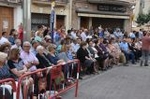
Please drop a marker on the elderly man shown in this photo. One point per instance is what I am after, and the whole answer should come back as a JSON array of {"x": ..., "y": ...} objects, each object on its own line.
[{"x": 28, "y": 57}]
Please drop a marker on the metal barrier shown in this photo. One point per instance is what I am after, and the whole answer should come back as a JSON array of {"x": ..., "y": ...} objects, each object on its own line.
[
  {"x": 55, "y": 71},
  {"x": 13, "y": 86},
  {"x": 26, "y": 75}
]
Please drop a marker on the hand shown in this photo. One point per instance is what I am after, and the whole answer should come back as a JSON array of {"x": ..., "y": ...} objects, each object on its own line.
[
  {"x": 28, "y": 65},
  {"x": 25, "y": 69}
]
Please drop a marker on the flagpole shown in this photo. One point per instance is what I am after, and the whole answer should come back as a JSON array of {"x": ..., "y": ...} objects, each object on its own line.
[{"x": 52, "y": 20}]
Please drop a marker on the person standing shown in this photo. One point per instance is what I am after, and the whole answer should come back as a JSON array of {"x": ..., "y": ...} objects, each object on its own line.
[{"x": 145, "y": 49}]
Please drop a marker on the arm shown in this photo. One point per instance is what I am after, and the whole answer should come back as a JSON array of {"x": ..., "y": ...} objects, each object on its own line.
[
  {"x": 14, "y": 70},
  {"x": 18, "y": 73}
]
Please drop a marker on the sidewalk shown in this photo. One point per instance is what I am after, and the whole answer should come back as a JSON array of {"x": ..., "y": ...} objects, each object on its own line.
[{"x": 130, "y": 82}]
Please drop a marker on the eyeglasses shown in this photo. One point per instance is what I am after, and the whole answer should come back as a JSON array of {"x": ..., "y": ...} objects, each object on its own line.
[{"x": 26, "y": 46}]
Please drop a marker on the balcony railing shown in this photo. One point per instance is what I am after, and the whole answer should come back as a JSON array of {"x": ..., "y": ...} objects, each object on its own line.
[{"x": 48, "y": 2}]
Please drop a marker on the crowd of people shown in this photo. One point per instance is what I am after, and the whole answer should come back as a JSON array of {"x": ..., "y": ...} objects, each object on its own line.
[{"x": 97, "y": 49}]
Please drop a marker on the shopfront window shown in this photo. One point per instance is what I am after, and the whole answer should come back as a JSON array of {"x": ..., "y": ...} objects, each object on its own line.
[{"x": 39, "y": 19}]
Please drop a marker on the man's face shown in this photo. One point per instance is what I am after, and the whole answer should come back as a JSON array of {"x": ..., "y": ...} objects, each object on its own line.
[
  {"x": 79, "y": 41},
  {"x": 26, "y": 47}
]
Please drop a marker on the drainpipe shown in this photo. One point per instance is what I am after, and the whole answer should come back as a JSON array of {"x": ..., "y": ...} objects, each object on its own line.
[
  {"x": 70, "y": 12},
  {"x": 26, "y": 20}
]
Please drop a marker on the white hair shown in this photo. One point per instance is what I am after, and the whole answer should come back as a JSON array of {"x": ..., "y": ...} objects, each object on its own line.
[
  {"x": 39, "y": 48},
  {"x": 26, "y": 43},
  {"x": 17, "y": 40}
]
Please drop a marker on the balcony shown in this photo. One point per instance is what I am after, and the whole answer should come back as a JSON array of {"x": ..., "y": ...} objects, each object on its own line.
[
  {"x": 118, "y": 2},
  {"x": 47, "y": 2}
]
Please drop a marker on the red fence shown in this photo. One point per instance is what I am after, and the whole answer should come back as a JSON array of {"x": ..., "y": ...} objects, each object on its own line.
[
  {"x": 13, "y": 84},
  {"x": 54, "y": 72}
]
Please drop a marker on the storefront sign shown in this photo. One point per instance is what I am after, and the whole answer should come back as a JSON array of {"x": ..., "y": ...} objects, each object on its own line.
[{"x": 111, "y": 8}]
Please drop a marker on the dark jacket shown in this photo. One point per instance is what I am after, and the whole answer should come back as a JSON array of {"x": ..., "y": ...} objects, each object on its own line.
[
  {"x": 91, "y": 51},
  {"x": 43, "y": 61},
  {"x": 81, "y": 54}
]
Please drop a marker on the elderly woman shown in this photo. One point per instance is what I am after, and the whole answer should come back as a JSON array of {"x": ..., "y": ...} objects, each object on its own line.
[
  {"x": 103, "y": 59},
  {"x": 54, "y": 59},
  {"x": 18, "y": 68},
  {"x": 43, "y": 63},
  {"x": 4, "y": 73},
  {"x": 43, "y": 60},
  {"x": 5, "y": 47},
  {"x": 83, "y": 56},
  {"x": 28, "y": 57}
]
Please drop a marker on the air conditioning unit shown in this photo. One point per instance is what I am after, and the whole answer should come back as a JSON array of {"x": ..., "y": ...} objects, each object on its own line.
[{"x": 13, "y": 1}]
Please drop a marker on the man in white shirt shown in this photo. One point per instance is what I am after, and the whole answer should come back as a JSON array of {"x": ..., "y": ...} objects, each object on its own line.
[
  {"x": 73, "y": 34},
  {"x": 28, "y": 57},
  {"x": 83, "y": 35},
  {"x": 3, "y": 39}
]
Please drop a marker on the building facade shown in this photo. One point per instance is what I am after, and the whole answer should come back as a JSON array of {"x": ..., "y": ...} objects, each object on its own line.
[
  {"x": 11, "y": 15},
  {"x": 107, "y": 13},
  {"x": 84, "y": 13},
  {"x": 41, "y": 9}
]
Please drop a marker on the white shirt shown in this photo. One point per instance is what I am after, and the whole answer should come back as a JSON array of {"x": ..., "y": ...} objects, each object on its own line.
[
  {"x": 3, "y": 40},
  {"x": 28, "y": 57},
  {"x": 15, "y": 46},
  {"x": 73, "y": 35},
  {"x": 83, "y": 36},
  {"x": 75, "y": 47}
]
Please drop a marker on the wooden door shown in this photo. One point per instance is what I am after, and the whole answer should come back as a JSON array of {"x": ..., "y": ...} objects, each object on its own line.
[
  {"x": 6, "y": 19},
  {"x": 60, "y": 21},
  {"x": 84, "y": 22}
]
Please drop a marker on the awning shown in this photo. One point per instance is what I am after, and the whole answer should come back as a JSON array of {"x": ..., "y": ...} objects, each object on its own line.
[{"x": 103, "y": 16}]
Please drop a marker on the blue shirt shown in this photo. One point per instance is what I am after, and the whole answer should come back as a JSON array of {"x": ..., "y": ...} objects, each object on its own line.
[
  {"x": 4, "y": 72},
  {"x": 124, "y": 46},
  {"x": 69, "y": 55}
]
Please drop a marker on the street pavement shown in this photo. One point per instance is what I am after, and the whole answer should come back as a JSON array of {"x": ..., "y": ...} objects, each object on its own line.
[{"x": 131, "y": 82}]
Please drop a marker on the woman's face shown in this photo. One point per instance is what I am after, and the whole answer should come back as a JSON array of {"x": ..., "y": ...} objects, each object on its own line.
[
  {"x": 53, "y": 50},
  {"x": 90, "y": 43},
  {"x": 6, "y": 50},
  {"x": 2, "y": 63},
  {"x": 85, "y": 46},
  {"x": 41, "y": 51}
]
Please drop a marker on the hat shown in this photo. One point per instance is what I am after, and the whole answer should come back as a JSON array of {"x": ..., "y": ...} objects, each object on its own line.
[{"x": 3, "y": 56}]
